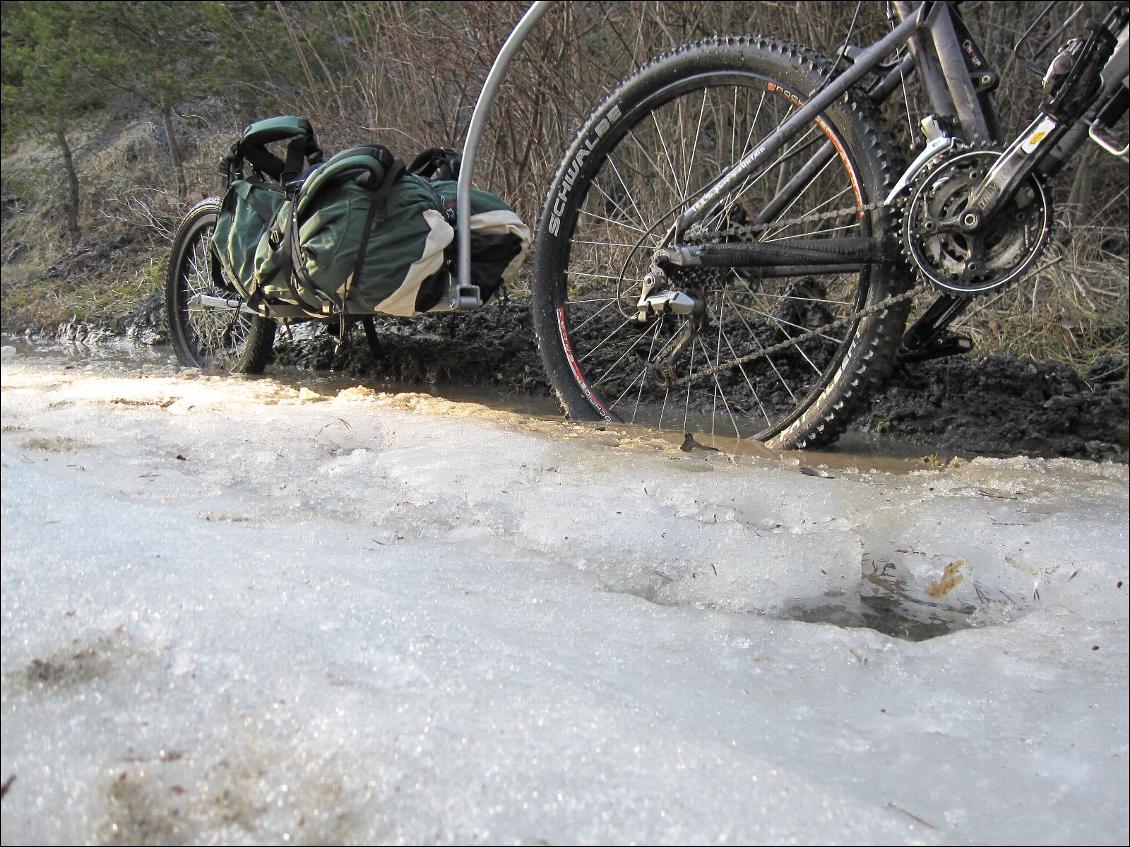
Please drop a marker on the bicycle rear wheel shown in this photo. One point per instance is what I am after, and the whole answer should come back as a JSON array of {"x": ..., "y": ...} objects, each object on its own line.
[{"x": 640, "y": 159}]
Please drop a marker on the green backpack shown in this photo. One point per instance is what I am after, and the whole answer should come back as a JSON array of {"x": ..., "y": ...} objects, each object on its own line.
[
  {"x": 255, "y": 178},
  {"x": 358, "y": 235}
]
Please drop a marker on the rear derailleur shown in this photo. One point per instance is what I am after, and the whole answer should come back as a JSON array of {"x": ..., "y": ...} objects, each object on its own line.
[{"x": 661, "y": 306}]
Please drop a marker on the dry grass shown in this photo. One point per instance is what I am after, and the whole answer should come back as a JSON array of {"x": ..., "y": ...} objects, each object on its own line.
[
  {"x": 33, "y": 297},
  {"x": 1073, "y": 308}
]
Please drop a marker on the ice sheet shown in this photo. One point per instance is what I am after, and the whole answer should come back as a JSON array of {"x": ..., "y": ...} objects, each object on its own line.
[{"x": 239, "y": 612}]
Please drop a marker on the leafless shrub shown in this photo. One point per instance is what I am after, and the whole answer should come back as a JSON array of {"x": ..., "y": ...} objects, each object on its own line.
[{"x": 156, "y": 210}]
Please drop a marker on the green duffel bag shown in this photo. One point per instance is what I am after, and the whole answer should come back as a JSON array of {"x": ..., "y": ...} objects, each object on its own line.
[
  {"x": 360, "y": 235},
  {"x": 248, "y": 210},
  {"x": 499, "y": 238}
]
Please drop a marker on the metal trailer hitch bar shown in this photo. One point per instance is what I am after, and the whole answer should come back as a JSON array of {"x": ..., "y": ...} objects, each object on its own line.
[{"x": 462, "y": 294}]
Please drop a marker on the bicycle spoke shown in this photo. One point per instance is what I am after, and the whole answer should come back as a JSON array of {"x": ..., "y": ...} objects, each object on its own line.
[
  {"x": 768, "y": 359},
  {"x": 612, "y": 368},
  {"x": 694, "y": 145},
  {"x": 794, "y": 297},
  {"x": 639, "y": 394},
  {"x": 647, "y": 156},
  {"x": 843, "y": 228},
  {"x": 718, "y": 392},
  {"x": 602, "y": 276},
  {"x": 754, "y": 178},
  {"x": 609, "y": 220},
  {"x": 687, "y": 407},
  {"x": 749, "y": 383},
  {"x": 608, "y": 337},
  {"x": 631, "y": 199},
  {"x": 800, "y": 194},
  {"x": 790, "y": 324},
  {"x": 593, "y": 316},
  {"x": 639, "y": 217},
  {"x": 667, "y": 155}
]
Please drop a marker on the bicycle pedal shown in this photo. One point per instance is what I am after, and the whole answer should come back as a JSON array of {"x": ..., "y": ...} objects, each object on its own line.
[{"x": 939, "y": 347}]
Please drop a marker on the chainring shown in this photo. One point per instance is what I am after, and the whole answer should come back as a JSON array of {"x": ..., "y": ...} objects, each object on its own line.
[{"x": 965, "y": 262}]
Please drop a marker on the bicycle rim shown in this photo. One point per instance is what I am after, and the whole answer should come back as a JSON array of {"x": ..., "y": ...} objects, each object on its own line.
[{"x": 212, "y": 338}]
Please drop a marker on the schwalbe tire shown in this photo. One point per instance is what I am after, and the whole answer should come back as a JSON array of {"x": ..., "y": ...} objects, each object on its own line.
[{"x": 869, "y": 356}]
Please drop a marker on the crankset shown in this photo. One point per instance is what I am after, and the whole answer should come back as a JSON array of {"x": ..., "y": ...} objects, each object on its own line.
[{"x": 946, "y": 241}]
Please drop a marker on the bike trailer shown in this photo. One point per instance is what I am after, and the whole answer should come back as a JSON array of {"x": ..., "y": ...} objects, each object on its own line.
[{"x": 358, "y": 234}]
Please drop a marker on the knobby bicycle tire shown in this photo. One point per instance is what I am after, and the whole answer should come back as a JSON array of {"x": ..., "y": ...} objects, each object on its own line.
[
  {"x": 229, "y": 341},
  {"x": 593, "y": 192}
]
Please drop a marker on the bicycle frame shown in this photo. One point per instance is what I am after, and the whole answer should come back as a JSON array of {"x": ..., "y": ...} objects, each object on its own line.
[
  {"x": 950, "y": 66},
  {"x": 942, "y": 61}
]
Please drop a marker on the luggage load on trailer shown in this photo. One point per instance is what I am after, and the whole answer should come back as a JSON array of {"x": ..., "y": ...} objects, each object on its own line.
[
  {"x": 355, "y": 234},
  {"x": 499, "y": 238},
  {"x": 359, "y": 235}
]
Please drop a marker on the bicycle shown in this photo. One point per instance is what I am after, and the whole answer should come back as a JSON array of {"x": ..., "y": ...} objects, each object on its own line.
[{"x": 728, "y": 245}]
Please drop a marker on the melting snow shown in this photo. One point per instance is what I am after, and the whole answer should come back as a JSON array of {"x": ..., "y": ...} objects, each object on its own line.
[{"x": 238, "y": 611}]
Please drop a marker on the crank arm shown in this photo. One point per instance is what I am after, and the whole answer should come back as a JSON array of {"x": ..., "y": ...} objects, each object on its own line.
[
  {"x": 934, "y": 322},
  {"x": 1011, "y": 170},
  {"x": 1058, "y": 113}
]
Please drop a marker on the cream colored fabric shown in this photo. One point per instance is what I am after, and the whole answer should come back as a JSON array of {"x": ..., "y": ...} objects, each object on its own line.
[{"x": 402, "y": 302}]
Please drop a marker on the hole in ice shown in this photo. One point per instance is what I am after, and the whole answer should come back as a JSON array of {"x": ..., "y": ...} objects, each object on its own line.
[
  {"x": 914, "y": 600},
  {"x": 896, "y": 601}
]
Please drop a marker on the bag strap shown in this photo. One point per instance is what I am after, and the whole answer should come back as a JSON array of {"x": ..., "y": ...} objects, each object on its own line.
[
  {"x": 261, "y": 159},
  {"x": 295, "y": 154},
  {"x": 292, "y": 245},
  {"x": 378, "y": 211},
  {"x": 437, "y": 163}
]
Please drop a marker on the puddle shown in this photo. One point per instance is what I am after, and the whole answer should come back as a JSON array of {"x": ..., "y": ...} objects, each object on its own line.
[
  {"x": 887, "y": 597},
  {"x": 491, "y": 397},
  {"x": 895, "y": 602},
  {"x": 854, "y": 450},
  {"x": 118, "y": 350}
]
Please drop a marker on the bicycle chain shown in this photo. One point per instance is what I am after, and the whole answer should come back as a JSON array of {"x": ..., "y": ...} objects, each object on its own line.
[
  {"x": 753, "y": 229},
  {"x": 764, "y": 352}
]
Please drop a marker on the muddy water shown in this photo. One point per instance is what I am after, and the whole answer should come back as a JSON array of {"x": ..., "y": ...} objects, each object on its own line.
[
  {"x": 887, "y": 602},
  {"x": 853, "y": 451}
]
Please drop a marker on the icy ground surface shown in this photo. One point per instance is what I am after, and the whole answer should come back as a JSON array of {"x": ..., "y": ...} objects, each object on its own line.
[{"x": 241, "y": 611}]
